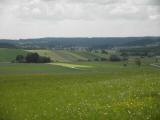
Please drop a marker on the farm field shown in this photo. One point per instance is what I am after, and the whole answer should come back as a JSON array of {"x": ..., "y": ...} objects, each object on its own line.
[
  {"x": 7, "y": 54},
  {"x": 69, "y": 56},
  {"x": 94, "y": 91},
  {"x": 79, "y": 60}
]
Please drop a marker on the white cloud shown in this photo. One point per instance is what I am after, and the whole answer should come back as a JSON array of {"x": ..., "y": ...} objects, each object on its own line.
[
  {"x": 55, "y": 12},
  {"x": 82, "y": 9}
]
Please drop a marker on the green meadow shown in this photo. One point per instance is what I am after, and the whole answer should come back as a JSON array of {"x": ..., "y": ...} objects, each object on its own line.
[
  {"x": 69, "y": 56},
  {"x": 79, "y": 91},
  {"x": 7, "y": 54}
]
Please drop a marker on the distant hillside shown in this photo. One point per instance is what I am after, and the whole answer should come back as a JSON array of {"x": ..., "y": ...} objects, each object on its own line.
[
  {"x": 142, "y": 51},
  {"x": 7, "y": 45},
  {"x": 144, "y": 41},
  {"x": 9, "y": 54},
  {"x": 97, "y": 42}
]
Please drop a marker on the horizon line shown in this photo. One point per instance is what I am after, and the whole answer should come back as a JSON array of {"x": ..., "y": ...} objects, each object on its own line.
[{"x": 79, "y": 37}]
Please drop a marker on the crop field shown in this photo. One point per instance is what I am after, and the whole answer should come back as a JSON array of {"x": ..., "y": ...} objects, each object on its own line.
[{"x": 95, "y": 91}]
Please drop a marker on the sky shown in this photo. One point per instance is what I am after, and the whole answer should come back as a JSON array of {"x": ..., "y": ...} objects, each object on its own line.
[{"x": 79, "y": 18}]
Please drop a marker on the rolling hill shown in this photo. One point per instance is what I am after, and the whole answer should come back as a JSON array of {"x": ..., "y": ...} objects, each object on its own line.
[
  {"x": 69, "y": 56},
  {"x": 95, "y": 42},
  {"x": 9, "y": 54}
]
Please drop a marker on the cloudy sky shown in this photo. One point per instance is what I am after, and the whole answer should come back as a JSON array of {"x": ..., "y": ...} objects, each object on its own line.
[{"x": 79, "y": 18}]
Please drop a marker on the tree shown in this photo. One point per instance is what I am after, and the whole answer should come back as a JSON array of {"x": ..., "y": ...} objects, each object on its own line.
[
  {"x": 44, "y": 59},
  {"x": 115, "y": 58},
  {"x": 32, "y": 58},
  {"x": 104, "y": 52},
  {"x": 20, "y": 58},
  {"x": 124, "y": 54},
  {"x": 96, "y": 59},
  {"x": 138, "y": 62},
  {"x": 125, "y": 64},
  {"x": 156, "y": 60},
  {"x": 103, "y": 59}
]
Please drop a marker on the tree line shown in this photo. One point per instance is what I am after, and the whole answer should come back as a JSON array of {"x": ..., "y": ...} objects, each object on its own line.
[{"x": 32, "y": 58}]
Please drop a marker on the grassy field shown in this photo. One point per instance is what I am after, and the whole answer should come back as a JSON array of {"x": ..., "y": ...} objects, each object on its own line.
[
  {"x": 69, "y": 56},
  {"x": 7, "y": 55},
  {"x": 95, "y": 91}
]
